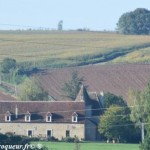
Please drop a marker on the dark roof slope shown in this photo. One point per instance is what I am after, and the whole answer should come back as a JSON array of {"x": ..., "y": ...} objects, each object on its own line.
[
  {"x": 90, "y": 100},
  {"x": 83, "y": 96},
  {"x": 61, "y": 111}
]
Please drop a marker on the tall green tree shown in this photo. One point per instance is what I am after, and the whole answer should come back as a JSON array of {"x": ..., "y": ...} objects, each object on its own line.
[
  {"x": 7, "y": 65},
  {"x": 112, "y": 99},
  {"x": 135, "y": 22},
  {"x": 115, "y": 124},
  {"x": 72, "y": 87},
  {"x": 31, "y": 90},
  {"x": 140, "y": 113},
  {"x": 141, "y": 110}
]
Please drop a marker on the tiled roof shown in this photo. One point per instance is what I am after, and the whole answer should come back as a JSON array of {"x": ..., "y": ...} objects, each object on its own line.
[
  {"x": 89, "y": 99},
  {"x": 61, "y": 111},
  {"x": 83, "y": 96}
]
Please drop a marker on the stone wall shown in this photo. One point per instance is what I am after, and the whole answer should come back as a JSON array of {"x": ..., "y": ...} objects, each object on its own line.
[{"x": 40, "y": 129}]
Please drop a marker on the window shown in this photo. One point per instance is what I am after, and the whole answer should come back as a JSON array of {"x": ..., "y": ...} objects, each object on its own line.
[
  {"x": 49, "y": 117},
  {"x": 49, "y": 133},
  {"x": 67, "y": 133},
  {"x": 28, "y": 117},
  {"x": 74, "y": 117},
  {"x": 8, "y": 116},
  {"x": 30, "y": 133}
]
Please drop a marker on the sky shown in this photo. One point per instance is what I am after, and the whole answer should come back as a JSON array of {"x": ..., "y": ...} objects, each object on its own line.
[{"x": 92, "y": 14}]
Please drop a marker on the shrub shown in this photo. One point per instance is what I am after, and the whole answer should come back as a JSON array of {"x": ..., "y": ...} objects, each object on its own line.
[
  {"x": 70, "y": 139},
  {"x": 146, "y": 144},
  {"x": 52, "y": 138}
]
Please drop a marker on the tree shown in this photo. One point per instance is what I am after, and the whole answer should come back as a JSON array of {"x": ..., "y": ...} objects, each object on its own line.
[
  {"x": 140, "y": 112},
  {"x": 7, "y": 65},
  {"x": 146, "y": 144},
  {"x": 31, "y": 89},
  {"x": 60, "y": 25},
  {"x": 135, "y": 22},
  {"x": 112, "y": 99},
  {"x": 72, "y": 87},
  {"x": 114, "y": 124}
]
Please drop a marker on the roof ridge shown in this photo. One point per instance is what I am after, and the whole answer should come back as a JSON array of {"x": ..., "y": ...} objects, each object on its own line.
[{"x": 41, "y": 101}]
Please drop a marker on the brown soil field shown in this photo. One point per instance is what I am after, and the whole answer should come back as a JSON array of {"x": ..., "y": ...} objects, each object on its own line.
[
  {"x": 117, "y": 79},
  {"x": 6, "y": 97}
]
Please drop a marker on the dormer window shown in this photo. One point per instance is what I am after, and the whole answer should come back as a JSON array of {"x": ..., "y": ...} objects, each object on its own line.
[
  {"x": 49, "y": 117},
  {"x": 74, "y": 117},
  {"x": 8, "y": 116},
  {"x": 27, "y": 117}
]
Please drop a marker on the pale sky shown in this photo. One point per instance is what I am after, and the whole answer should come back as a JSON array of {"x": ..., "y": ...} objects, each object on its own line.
[{"x": 92, "y": 14}]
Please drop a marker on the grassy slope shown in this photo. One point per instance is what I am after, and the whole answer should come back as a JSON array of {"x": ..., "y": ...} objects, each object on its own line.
[
  {"x": 142, "y": 55},
  {"x": 68, "y": 48},
  {"x": 89, "y": 146}
]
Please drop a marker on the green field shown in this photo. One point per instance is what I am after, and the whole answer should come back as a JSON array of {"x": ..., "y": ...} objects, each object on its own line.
[
  {"x": 69, "y": 48},
  {"x": 142, "y": 55},
  {"x": 88, "y": 146}
]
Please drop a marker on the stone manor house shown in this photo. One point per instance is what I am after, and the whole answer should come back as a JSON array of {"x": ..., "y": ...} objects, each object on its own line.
[{"x": 44, "y": 119}]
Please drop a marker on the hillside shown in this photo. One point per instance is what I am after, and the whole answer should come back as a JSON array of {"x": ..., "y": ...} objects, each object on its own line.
[
  {"x": 70, "y": 48},
  {"x": 140, "y": 56},
  {"x": 117, "y": 79},
  {"x": 44, "y": 49}
]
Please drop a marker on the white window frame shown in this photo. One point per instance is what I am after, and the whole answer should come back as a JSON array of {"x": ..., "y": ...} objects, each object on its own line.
[
  {"x": 49, "y": 119},
  {"x": 7, "y": 120},
  {"x": 26, "y": 116},
  {"x": 51, "y": 132},
  {"x": 74, "y": 118},
  {"x": 28, "y": 132}
]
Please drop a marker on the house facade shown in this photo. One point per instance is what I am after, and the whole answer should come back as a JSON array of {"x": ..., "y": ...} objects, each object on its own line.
[{"x": 51, "y": 118}]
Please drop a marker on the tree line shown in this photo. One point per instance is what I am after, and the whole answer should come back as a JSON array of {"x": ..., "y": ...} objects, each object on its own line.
[
  {"x": 135, "y": 22},
  {"x": 123, "y": 123},
  {"x": 29, "y": 87}
]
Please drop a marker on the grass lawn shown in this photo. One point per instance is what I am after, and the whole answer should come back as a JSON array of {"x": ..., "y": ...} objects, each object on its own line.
[{"x": 88, "y": 146}]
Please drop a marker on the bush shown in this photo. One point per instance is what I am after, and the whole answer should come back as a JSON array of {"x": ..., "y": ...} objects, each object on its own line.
[
  {"x": 7, "y": 65},
  {"x": 52, "y": 138},
  {"x": 146, "y": 144},
  {"x": 68, "y": 139},
  {"x": 71, "y": 140},
  {"x": 12, "y": 139},
  {"x": 3, "y": 139},
  {"x": 76, "y": 140}
]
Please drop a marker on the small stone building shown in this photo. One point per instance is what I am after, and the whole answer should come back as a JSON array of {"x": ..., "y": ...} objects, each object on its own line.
[{"x": 52, "y": 118}]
